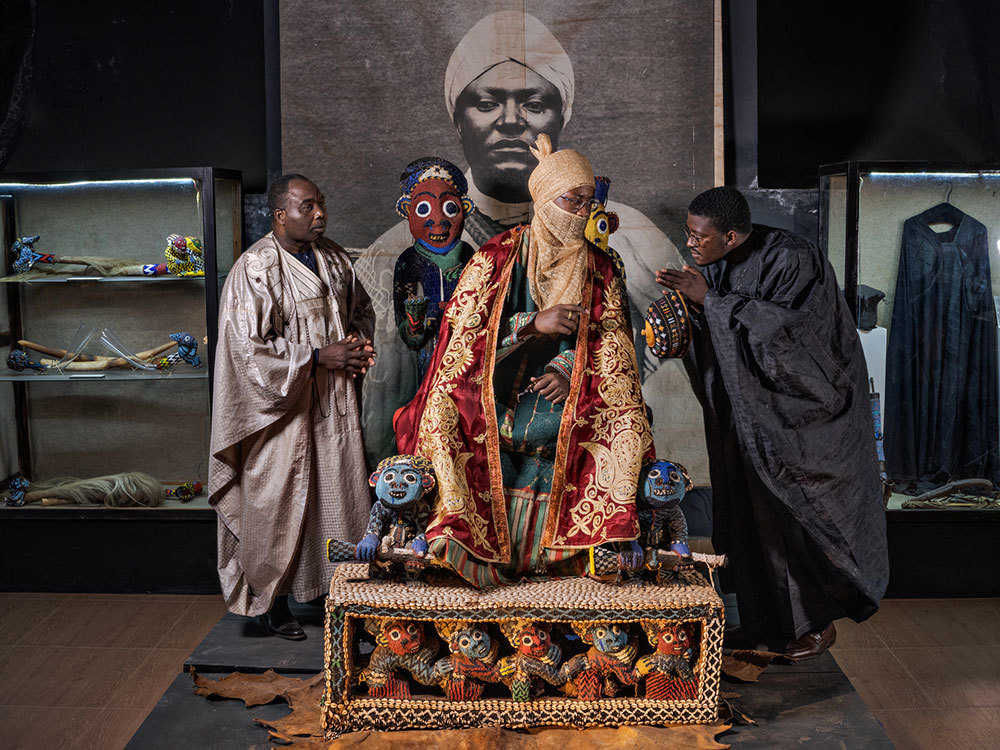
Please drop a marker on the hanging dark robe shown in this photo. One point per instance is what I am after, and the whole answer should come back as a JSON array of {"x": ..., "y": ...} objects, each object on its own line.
[
  {"x": 941, "y": 369},
  {"x": 797, "y": 502}
]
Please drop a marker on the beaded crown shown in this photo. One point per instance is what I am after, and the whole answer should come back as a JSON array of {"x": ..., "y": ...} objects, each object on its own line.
[{"x": 417, "y": 462}]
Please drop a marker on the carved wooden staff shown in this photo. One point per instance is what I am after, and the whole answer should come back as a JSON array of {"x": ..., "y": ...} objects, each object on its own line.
[
  {"x": 24, "y": 257},
  {"x": 87, "y": 362}
]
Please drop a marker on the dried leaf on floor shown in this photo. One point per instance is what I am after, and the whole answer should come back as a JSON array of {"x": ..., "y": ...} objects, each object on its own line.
[
  {"x": 746, "y": 664},
  {"x": 732, "y": 714},
  {"x": 304, "y": 721},
  {"x": 252, "y": 689}
]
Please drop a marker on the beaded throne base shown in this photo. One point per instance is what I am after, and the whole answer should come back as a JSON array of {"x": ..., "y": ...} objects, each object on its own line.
[{"x": 535, "y": 654}]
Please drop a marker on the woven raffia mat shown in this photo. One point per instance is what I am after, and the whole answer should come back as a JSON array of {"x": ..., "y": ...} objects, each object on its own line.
[
  {"x": 350, "y": 585},
  {"x": 301, "y": 728}
]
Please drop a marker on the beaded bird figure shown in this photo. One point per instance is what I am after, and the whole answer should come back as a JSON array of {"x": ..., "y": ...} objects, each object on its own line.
[
  {"x": 15, "y": 492},
  {"x": 187, "y": 351},
  {"x": 23, "y": 255}
]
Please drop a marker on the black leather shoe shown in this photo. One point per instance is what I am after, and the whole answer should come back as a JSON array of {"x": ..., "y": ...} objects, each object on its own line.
[
  {"x": 812, "y": 644},
  {"x": 290, "y": 629}
]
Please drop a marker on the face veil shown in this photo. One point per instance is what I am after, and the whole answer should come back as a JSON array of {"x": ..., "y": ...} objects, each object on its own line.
[{"x": 557, "y": 260}]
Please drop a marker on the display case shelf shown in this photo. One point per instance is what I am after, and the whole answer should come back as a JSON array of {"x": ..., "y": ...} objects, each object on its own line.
[
  {"x": 73, "y": 426},
  {"x": 106, "y": 279},
  {"x": 38, "y": 378},
  {"x": 915, "y": 249}
]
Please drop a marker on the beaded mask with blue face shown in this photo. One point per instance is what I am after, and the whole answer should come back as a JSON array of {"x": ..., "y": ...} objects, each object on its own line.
[
  {"x": 400, "y": 481},
  {"x": 473, "y": 642},
  {"x": 607, "y": 637},
  {"x": 664, "y": 484}
]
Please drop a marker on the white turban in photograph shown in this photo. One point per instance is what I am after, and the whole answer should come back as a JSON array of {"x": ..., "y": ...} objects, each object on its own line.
[{"x": 504, "y": 37}]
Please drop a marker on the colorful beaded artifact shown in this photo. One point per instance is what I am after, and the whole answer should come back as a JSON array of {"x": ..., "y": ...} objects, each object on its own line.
[
  {"x": 564, "y": 652},
  {"x": 668, "y": 326},
  {"x": 400, "y": 513},
  {"x": 185, "y": 256}
]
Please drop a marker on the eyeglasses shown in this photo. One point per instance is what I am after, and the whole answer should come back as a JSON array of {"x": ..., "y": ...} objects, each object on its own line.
[
  {"x": 576, "y": 203},
  {"x": 697, "y": 239}
]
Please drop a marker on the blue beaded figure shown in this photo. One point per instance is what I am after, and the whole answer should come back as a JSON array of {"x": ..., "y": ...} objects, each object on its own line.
[
  {"x": 400, "y": 511},
  {"x": 663, "y": 485}
]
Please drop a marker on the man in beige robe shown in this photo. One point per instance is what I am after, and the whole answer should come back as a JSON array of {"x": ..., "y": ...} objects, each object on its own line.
[{"x": 287, "y": 467}]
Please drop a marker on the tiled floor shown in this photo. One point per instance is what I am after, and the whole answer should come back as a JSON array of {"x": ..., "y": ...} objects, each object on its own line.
[
  {"x": 929, "y": 669},
  {"x": 84, "y": 670}
]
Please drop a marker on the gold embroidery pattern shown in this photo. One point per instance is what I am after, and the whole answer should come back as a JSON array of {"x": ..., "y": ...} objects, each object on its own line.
[
  {"x": 621, "y": 431},
  {"x": 438, "y": 438}
]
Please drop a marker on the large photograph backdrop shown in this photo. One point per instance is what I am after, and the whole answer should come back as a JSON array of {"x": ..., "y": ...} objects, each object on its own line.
[{"x": 368, "y": 87}]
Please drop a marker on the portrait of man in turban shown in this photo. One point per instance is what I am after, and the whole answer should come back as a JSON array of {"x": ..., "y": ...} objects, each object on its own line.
[{"x": 601, "y": 79}]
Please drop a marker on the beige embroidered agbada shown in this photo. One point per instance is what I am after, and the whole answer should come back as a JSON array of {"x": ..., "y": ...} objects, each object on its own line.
[{"x": 287, "y": 468}]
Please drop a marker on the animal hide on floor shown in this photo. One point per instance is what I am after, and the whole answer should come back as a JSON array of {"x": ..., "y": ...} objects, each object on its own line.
[{"x": 301, "y": 729}]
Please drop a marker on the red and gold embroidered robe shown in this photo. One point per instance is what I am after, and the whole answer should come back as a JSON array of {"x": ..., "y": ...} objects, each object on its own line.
[{"x": 604, "y": 435}]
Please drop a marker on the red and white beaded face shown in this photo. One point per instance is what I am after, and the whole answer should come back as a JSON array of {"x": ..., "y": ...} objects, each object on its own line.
[
  {"x": 673, "y": 639},
  {"x": 436, "y": 214},
  {"x": 534, "y": 641},
  {"x": 404, "y": 636}
]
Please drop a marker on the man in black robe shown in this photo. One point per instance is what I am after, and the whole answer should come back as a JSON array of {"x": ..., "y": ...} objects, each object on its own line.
[{"x": 779, "y": 370}]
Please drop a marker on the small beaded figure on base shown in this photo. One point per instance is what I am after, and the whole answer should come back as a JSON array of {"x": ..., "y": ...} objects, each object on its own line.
[
  {"x": 473, "y": 660},
  {"x": 400, "y": 513},
  {"x": 611, "y": 657},
  {"x": 668, "y": 672},
  {"x": 402, "y": 647}
]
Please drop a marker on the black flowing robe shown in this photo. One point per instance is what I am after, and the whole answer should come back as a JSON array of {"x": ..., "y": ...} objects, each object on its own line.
[
  {"x": 941, "y": 367},
  {"x": 797, "y": 503}
]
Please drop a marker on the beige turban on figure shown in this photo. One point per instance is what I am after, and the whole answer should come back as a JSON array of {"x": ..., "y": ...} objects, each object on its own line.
[
  {"x": 503, "y": 37},
  {"x": 557, "y": 256}
]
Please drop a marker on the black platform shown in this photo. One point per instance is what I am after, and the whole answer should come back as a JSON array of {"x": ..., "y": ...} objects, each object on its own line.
[
  {"x": 811, "y": 704},
  {"x": 237, "y": 644}
]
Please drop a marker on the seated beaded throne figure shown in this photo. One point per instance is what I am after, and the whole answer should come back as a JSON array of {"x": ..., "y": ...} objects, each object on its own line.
[
  {"x": 531, "y": 410},
  {"x": 400, "y": 512},
  {"x": 434, "y": 200}
]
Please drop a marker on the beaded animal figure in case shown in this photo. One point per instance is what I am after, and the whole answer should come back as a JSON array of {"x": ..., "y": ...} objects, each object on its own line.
[
  {"x": 434, "y": 201},
  {"x": 668, "y": 672},
  {"x": 187, "y": 351},
  {"x": 611, "y": 657},
  {"x": 185, "y": 256},
  {"x": 401, "y": 647},
  {"x": 472, "y": 662},
  {"x": 400, "y": 512}
]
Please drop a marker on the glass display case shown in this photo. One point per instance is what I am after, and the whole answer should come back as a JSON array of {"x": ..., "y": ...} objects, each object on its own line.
[
  {"x": 95, "y": 379},
  {"x": 916, "y": 249}
]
